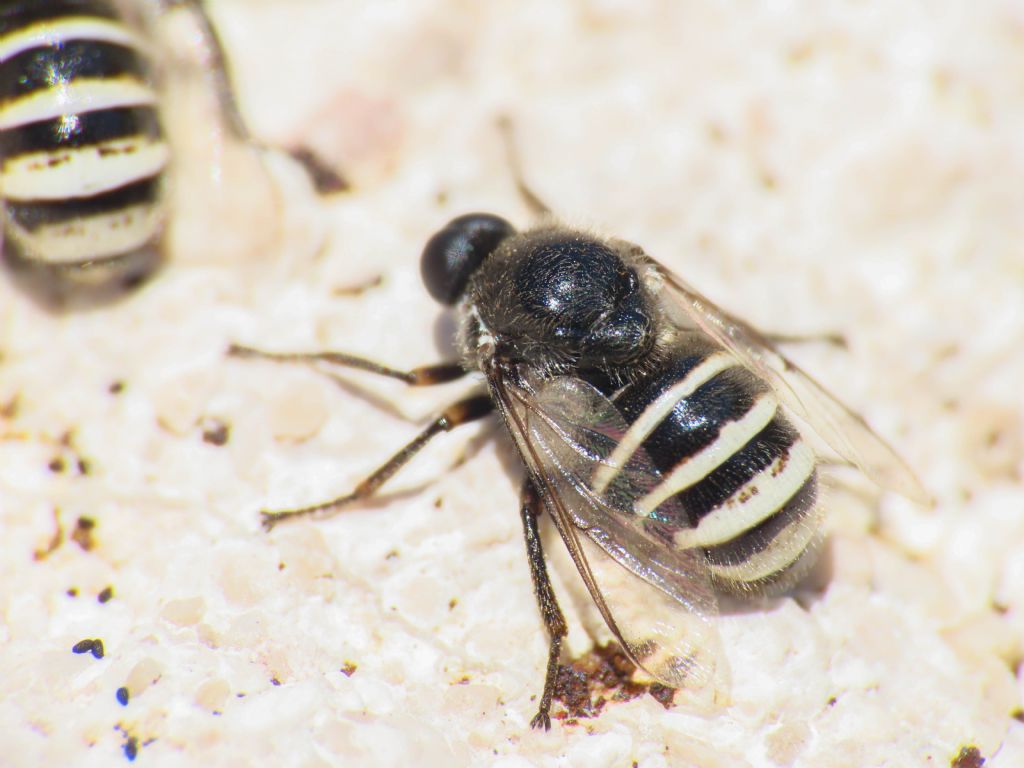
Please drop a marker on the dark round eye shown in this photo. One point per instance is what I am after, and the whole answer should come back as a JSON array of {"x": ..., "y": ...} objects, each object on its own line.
[{"x": 454, "y": 253}]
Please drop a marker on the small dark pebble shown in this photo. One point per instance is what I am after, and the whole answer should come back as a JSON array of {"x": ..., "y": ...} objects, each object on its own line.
[
  {"x": 82, "y": 535},
  {"x": 274, "y": 681},
  {"x": 56, "y": 465},
  {"x": 131, "y": 748},
  {"x": 93, "y": 646},
  {"x": 122, "y": 696},
  {"x": 84, "y": 467},
  {"x": 216, "y": 432},
  {"x": 105, "y": 595},
  {"x": 116, "y": 388},
  {"x": 969, "y": 757},
  {"x": 72, "y": 592}
]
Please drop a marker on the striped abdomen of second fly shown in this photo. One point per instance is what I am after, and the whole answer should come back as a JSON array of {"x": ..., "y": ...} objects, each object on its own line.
[
  {"x": 82, "y": 151},
  {"x": 744, "y": 478}
]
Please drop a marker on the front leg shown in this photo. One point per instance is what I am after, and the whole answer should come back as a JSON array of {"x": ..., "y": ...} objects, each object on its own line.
[
  {"x": 462, "y": 412},
  {"x": 423, "y": 376},
  {"x": 530, "y": 509}
]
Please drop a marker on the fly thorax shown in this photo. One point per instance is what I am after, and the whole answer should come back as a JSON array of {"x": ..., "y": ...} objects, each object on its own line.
[{"x": 567, "y": 302}]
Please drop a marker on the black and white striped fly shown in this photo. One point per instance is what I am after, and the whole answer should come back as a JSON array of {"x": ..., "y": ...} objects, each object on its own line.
[
  {"x": 679, "y": 453},
  {"x": 85, "y": 149}
]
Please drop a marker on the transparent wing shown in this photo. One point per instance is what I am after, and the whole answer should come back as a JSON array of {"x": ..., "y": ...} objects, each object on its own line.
[
  {"x": 638, "y": 578},
  {"x": 843, "y": 431}
]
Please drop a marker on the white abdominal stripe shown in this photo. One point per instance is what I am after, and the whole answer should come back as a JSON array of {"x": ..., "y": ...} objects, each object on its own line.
[
  {"x": 655, "y": 413},
  {"x": 771, "y": 521},
  {"x": 733, "y": 436},
  {"x": 736, "y": 470},
  {"x": 82, "y": 153}
]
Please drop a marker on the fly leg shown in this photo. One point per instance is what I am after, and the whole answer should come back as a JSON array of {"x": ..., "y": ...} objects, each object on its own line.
[
  {"x": 325, "y": 179},
  {"x": 423, "y": 376},
  {"x": 533, "y": 201},
  {"x": 457, "y": 414},
  {"x": 832, "y": 339},
  {"x": 217, "y": 69},
  {"x": 554, "y": 621}
]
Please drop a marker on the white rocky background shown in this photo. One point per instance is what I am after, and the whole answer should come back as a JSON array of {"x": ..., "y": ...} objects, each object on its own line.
[{"x": 830, "y": 166}]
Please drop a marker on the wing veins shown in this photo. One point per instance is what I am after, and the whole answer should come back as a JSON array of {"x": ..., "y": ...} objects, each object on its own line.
[
  {"x": 811, "y": 403},
  {"x": 563, "y": 520}
]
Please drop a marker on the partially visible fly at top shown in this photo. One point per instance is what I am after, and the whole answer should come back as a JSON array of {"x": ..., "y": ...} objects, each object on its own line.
[
  {"x": 85, "y": 145},
  {"x": 680, "y": 455}
]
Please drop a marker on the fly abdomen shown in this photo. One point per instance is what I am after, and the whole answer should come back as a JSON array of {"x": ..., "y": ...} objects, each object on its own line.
[
  {"x": 82, "y": 151},
  {"x": 744, "y": 478}
]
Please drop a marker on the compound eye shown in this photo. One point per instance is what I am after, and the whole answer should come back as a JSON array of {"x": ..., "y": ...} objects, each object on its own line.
[{"x": 453, "y": 254}]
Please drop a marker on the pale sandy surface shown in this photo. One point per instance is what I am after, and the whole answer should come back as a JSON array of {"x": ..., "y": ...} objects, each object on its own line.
[{"x": 829, "y": 166}]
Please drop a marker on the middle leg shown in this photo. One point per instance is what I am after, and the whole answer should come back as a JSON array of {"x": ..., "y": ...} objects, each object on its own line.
[{"x": 554, "y": 621}]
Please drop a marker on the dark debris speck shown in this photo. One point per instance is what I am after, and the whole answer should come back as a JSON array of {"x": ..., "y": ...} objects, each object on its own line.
[
  {"x": 105, "y": 595},
  {"x": 97, "y": 649},
  {"x": 131, "y": 748},
  {"x": 663, "y": 694},
  {"x": 83, "y": 646},
  {"x": 969, "y": 757},
  {"x": 216, "y": 432},
  {"x": 122, "y": 696},
  {"x": 348, "y": 669},
  {"x": 82, "y": 535},
  {"x": 604, "y": 674},
  {"x": 131, "y": 742}
]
